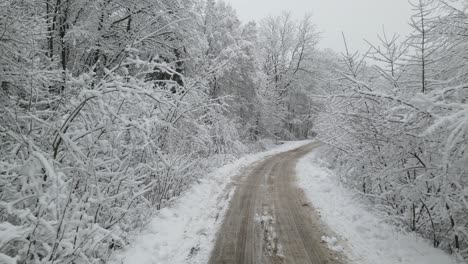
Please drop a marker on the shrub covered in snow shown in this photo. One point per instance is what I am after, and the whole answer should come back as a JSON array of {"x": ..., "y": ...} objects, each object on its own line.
[{"x": 398, "y": 131}]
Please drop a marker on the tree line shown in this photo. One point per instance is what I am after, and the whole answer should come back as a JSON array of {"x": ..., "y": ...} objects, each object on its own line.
[
  {"x": 395, "y": 120},
  {"x": 110, "y": 109}
]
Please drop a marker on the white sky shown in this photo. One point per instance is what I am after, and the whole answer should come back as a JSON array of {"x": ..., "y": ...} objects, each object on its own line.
[{"x": 358, "y": 19}]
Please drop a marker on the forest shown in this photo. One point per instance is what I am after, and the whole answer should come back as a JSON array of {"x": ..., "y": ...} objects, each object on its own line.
[{"x": 111, "y": 109}]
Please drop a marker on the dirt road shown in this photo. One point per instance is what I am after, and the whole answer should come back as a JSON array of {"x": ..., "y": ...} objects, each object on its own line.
[{"x": 270, "y": 220}]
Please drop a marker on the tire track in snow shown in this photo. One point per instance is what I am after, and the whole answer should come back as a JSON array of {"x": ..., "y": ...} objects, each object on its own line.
[{"x": 270, "y": 221}]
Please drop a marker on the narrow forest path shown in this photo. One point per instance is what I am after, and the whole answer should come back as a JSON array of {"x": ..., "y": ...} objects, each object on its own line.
[{"x": 270, "y": 220}]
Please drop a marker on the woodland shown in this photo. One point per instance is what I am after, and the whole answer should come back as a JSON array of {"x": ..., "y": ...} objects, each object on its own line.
[{"x": 111, "y": 109}]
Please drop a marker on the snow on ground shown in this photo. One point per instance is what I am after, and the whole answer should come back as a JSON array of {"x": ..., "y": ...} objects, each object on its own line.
[
  {"x": 185, "y": 232},
  {"x": 365, "y": 237}
]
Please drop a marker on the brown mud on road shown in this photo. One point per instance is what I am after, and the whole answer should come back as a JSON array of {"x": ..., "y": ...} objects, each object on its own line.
[{"x": 269, "y": 219}]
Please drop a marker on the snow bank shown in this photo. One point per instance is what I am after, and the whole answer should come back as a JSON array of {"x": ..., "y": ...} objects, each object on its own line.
[
  {"x": 185, "y": 232},
  {"x": 365, "y": 237}
]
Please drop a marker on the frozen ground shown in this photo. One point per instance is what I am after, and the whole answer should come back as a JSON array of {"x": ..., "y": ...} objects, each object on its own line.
[
  {"x": 361, "y": 235},
  {"x": 185, "y": 232}
]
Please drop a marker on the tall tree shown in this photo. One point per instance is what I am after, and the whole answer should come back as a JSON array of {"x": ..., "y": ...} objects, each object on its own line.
[{"x": 287, "y": 51}]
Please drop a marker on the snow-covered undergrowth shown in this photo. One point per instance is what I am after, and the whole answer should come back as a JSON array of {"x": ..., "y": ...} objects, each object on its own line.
[
  {"x": 363, "y": 235},
  {"x": 185, "y": 231}
]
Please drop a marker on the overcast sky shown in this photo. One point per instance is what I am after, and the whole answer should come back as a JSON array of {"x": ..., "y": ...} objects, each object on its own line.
[{"x": 358, "y": 19}]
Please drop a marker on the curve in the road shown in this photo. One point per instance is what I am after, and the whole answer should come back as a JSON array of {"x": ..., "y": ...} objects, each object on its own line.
[{"x": 270, "y": 220}]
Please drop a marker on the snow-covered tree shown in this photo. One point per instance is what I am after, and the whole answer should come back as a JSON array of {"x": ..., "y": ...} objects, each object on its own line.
[
  {"x": 106, "y": 115},
  {"x": 397, "y": 131},
  {"x": 286, "y": 53}
]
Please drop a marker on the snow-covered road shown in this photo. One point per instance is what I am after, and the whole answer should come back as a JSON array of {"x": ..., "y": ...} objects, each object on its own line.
[
  {"x": 269, "y": 220},
  {"x": 186, "y": 231}
]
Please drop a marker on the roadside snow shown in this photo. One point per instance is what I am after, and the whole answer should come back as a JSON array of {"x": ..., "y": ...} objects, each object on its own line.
[
  {"x": 365, "y": 238},
  {"x": 185, "y": 232},
  {"x": 333, "y": 243}
]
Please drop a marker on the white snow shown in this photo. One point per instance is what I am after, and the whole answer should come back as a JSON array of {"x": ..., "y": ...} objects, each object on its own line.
[
  {"x": 362, "y": 235},
  {"x": 332, "y": 243},
  {"x": 185, "y": 232},
  {"x": 9, "y": 232}
]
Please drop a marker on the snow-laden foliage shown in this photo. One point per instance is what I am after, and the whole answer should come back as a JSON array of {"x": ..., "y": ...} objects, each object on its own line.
[
  {"x": 398, "y": 131},
  {"x": 111, "y": 109},
  {"x": 106, "y": 114},
  {"x": 286, "y": 56}
]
